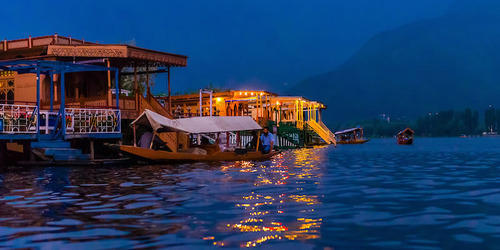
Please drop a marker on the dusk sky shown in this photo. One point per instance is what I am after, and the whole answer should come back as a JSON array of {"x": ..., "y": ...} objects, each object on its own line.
[{"x": 233, "y": 44}]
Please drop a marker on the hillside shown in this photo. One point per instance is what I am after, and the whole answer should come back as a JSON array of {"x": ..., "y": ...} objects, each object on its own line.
[{"x": 449, "y": 62}]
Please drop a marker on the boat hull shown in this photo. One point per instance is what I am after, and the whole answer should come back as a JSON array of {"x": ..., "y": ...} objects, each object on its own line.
[
  {"x": 353, "y": 142},
  {"x": 160, "y": 156},
  {"x": 405, "y": 142}
]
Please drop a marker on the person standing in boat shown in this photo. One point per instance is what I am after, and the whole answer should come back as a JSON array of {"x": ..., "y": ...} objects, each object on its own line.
[{"x": 267, "y": 141}]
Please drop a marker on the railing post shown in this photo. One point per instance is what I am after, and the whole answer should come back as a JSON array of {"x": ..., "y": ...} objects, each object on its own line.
[{"x": 119, "y": 121}]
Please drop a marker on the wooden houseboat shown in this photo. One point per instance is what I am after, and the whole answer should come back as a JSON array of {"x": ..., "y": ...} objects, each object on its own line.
[
  {"x": 351, "y": 136},
  {"x": 59, "y": 95},
  {"x": 296, "y": 120},
  {"x": 193, "y": 139},
  {"x": 405, "y": 137}
]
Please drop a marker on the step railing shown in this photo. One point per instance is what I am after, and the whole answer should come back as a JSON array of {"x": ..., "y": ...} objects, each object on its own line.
[
  {"x": 325, "y": 134},
  {"x": 48, "y": 121},
  {"x": 330, "y": 133}
]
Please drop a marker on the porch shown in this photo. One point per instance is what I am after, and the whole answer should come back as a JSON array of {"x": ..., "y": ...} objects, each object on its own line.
[{"x": 57, "y": 121}]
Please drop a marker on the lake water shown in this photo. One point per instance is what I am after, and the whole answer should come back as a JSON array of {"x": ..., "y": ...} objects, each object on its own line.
[{"x": 436, "y": 194}]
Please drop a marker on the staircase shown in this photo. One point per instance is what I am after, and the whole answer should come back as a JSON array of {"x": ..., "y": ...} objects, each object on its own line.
[
  {"x": 57, "y": 150},
  {"x": 322, "y": 131},
  {"x": 149, "y": 102},
  {"x": 289, "y": 136}
]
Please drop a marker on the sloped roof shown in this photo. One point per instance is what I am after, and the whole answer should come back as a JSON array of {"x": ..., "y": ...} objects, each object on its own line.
[{"x": 67, "y": 47}]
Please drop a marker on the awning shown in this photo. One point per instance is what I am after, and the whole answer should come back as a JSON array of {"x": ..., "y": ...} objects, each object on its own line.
[
  {"x": 408, "y": 131},
  {"x": 197, "y": 125},
  {"x": 348, "y": 131}
]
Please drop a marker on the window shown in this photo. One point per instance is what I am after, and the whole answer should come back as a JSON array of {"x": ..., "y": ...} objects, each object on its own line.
[{"x": 6, "y": 90}]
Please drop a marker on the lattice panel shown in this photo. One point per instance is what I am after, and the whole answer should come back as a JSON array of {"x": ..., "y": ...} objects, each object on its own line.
[
  {"x": 87, "y": 121},
  {"x": 18, "y": 119}
]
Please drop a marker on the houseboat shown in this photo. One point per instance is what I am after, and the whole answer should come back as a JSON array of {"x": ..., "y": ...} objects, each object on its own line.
[
  {"x": 405, "y": 137},
  {"x": 296, "y": 120},
  {"x": 194, "y": 139},
  {"x": 58, "y": 95},
  {"x": 351, "y": 136}
]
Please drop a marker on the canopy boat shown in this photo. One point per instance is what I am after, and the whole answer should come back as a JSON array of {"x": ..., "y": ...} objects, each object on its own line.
[
  {"x": 194, "y": 139},
  {"x": 405, "y": 137},
  {"x": 350, "y": 136}
]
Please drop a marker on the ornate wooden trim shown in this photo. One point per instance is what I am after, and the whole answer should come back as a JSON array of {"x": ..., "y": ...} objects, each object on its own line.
[
  {"x": 87, "y": 51},
  {"x": 149, "y": 55},
  {"x": 116, "y": 51}
]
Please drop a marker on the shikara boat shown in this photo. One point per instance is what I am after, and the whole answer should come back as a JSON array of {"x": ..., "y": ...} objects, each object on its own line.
[
  {"x": 194, "y": 139},
  {"x": 405, "y": 137},
  {"x": 350, "y": 136}
]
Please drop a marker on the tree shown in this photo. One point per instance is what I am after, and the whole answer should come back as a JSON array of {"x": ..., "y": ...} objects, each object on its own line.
[
  {"x": 490, "y": 119},
  {"x": 128, "y": 79}
]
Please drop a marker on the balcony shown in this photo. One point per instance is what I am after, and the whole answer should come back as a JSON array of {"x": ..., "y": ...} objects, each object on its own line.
[{"x": 22, "y": 122}]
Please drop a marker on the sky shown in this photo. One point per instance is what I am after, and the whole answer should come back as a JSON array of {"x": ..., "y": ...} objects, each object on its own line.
[{"x": 234, "y": 44}]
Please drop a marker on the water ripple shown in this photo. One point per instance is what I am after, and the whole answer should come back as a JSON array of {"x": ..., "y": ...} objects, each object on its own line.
[{"x": 439, "y": 193}]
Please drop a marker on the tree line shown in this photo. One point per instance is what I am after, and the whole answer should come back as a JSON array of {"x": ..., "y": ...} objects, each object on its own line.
[{"x": 444, "y": 123}]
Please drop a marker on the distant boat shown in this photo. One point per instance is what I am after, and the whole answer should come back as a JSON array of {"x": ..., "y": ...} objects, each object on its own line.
[
  {"x": 405, "y": 137},
  {"x": 490, "y": 133},
  {"x": 350, "y": 136}
]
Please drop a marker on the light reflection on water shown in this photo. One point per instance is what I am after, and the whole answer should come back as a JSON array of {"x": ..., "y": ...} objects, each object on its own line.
[{"x": 439, "y": 193}]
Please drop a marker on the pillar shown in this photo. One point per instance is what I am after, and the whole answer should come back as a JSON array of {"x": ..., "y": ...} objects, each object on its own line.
[
  {"x": 38, "y": 101},
  {"x": 3, "y": 153},
  {"x": 147, "y": 80},
  {"x": 63, "y": 104},
  {"x": 92, "y": 151},
  {"x": 110, "y": 99},
  {"x": 117, "y": 92},
  {"x": 51, "y": 92},
  {"x": 169, "y": 92},
  {"x": 136, "y": 89}
]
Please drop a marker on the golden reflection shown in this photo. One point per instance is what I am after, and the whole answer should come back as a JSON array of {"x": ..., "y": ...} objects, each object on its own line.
[
  {"x": 265, "y": 213},
  {"x": 308, "y": 199}
]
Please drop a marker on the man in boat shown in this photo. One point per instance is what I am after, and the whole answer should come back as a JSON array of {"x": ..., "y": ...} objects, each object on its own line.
[
  {"x": 267, "y": 141},
  {"x": 145, "y": 141}
]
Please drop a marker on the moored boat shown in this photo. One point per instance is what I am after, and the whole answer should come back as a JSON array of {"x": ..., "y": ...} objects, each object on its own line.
[
  {"x": 194, "y": 139},
  {"x": 405, "y": 137},
  {"x": 351, "y": 136}
]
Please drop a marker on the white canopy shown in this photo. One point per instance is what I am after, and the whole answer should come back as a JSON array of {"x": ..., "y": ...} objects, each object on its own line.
[
  {"x": 347, "y": 131},
  {"x": 197, "y": 125}
]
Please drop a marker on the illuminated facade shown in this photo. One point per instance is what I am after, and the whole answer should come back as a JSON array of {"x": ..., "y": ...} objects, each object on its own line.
[{"x": 265, "y": 107}]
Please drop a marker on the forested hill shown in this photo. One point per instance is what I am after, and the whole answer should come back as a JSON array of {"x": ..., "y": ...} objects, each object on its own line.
[{"x": 449, "y": 62}]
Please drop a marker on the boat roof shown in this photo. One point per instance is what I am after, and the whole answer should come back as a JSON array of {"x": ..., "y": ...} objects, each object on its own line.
[
  {"x": 348, "y": 131},
  {"x": 197, "y": 125},
  {"x": 407, "y": 130}
]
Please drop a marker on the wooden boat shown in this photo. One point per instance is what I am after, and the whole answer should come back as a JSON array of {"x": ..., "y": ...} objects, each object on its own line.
[
  {"x": 161, "y": 156},
  {"x": 351, "y": 136},
  {"x": 357, "y": 141},
  {"x": 405, "y": 137},
  {"x": 188, "y": 139}
]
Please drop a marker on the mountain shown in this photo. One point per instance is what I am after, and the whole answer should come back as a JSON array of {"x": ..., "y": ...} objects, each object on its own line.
[{"x": 448, "y": 62}]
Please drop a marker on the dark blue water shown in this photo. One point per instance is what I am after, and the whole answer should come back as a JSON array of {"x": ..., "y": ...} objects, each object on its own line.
[{"x": 437, "y": 194}]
